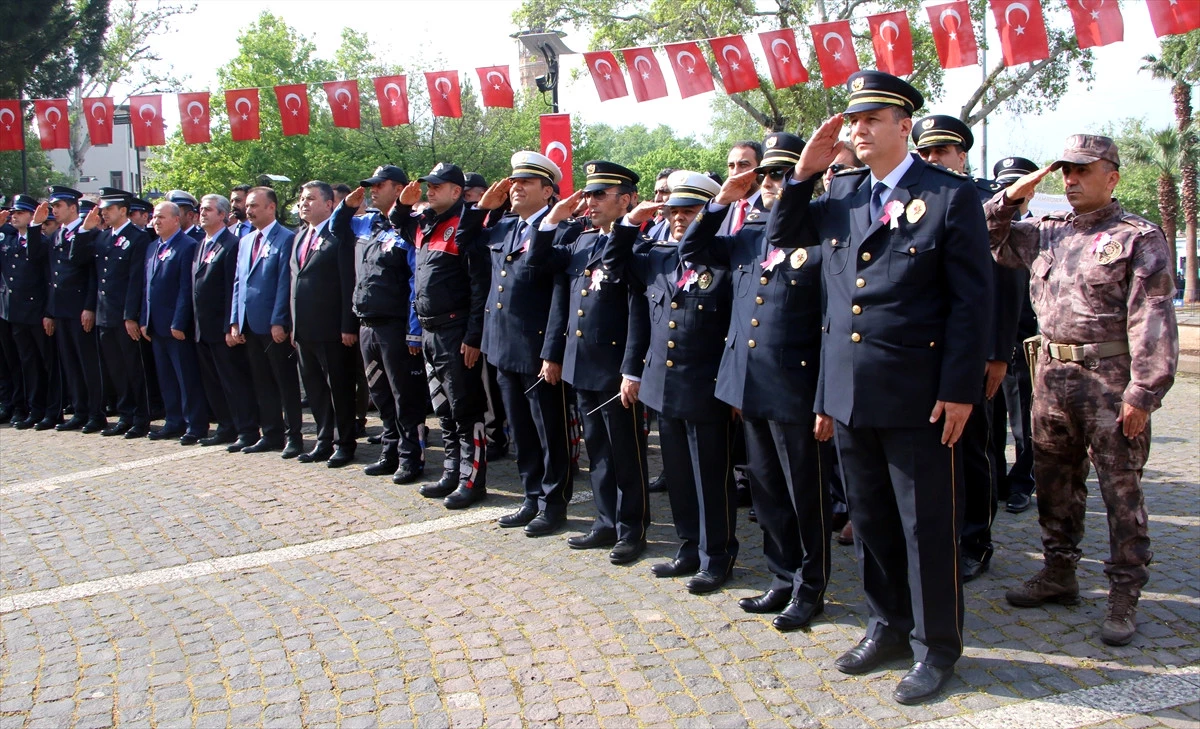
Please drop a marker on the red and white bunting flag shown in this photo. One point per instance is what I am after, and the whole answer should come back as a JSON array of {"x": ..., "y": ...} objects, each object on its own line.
[
  {"x": 12, "y": 126},
  {"x": 1097, "y": 23},
  {"x": 495, "y": 87},
  {"x": 445, "y": 96},
  {"x": 54, "y": 127},
  {"x": 892, "y": 38},
  {"x": 691, "y": 69},
  {"x": 835, "y": 51},
  {"x": 145, "y": 114},
  {"x": 556, "y": 144},
  {"x": 1022, "y": 31},
  {"x": 783, "y": 58},
  {"x": 243, "y": 108},
  {"x": 735, "y": 64},
  {"x": 392, "y": 94},
  {"x": 606, "y": 74},
  {"x": 645, "y": 74},
  {"x": 193, "y": 118},
  {"x": 344, "y": 103},
  {"x": 953, "y": 34},
  {"x": 1173, "y": 17},
  {"x": 98, "y": 113},
  {"x": 293, "y": 108}
]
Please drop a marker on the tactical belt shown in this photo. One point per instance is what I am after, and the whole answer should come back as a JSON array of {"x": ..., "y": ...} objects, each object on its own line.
[
  {"x": 441, "y": 320},
  {"x": 1085, "y": 352}
]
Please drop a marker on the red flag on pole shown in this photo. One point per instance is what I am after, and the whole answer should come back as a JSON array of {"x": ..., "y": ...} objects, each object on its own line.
[
  {"x": 953, "y": 34},
  {"x": 495, "y": 87},
  {"x": 645, "y": 73},
  {"x": 1097, "y": 23},
  {"x": 343, "y": 102},
  {"x": 735, "y": 64},
  {"x": 12, "y": 127},
  {"x": 610, "y": 82},
  {"x": 1022, "y": 31},
  {"x": 445, "y": 96},
  {"x": 783, "y": 58},
  {"x": 691, "y": 70},
  {"x": 835, "y": 51},
  {"x": 145, "y": 114},
  {"x": 54, "y": 128},
  {"x": 193, "y": 118},
  {"x": 293, "y": 108},
  {"x": 892, "y": 38},
  {"x": 392, "y": 94},
  {"x": 556, "y": 144},
  {"x": 98, "y": 113},
  {"x": 1173, "y": 17},
  {"x": 242, "y": 105}
]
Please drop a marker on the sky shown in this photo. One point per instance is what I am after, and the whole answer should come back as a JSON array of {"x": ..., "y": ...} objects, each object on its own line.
[{"x": 466, "y": 34}]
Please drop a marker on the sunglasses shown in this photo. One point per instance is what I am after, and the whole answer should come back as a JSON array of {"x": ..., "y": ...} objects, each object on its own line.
[
  {"x": 836, "y": 168},
  {"x": 597, "y": 195},
  {"x": 776, "y": 174}
]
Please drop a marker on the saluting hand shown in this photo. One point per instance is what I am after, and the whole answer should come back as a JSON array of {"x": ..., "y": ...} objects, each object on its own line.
[
  {"x": 354, "y": 200},
  {"x": 92, "y": 220},
  {"x": 42, "y": 212},
  {"x": 411, "y": 194},
  {"x": 495, "y": 196},
  {"x": 821, "y": 150},
  {"x": 3, "y": 218},
  {"x": 736, "y": 187},
  {"x": 1026, "y": 185},
  {"x": 643, "y": 212},
  {"x": 565, "y": 208}
]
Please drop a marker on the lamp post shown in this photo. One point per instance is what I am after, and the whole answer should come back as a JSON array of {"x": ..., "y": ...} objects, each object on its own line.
[{"x": 549, "y": 46}]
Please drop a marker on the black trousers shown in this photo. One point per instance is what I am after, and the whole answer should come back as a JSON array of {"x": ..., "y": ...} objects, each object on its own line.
[
  {"x": 1011, "y": 408},
  {"x": 789, "y": 485},
  {"x": 464, "y": 403},
  {"x": 496, "y": 416},
  {"x": 616, "y": 447},
  {"x": 697, "y": 460},
  {"x": 225, "y": 373},
  {"x": 981, "y": 477},
  {"x": 398, "y": 386},
  {"x": 906, "y": 500},
  {"x": 277, "y": 384},
  {"x": 79, "y": 356},
  {"x": 327, "y": 369},
  {"x": 12, "y": 386},
  {"x": 538, "y": 422},
  {"x": 39, "y": 370},
  {"x": 122, "y": 358}
]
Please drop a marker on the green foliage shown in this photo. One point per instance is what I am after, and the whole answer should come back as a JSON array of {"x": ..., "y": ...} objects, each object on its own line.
[
  {"x": 47, "y": 47},
  {"x": 40, "y": 172}
]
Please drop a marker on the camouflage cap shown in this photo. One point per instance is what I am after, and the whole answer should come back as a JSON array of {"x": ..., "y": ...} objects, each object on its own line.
[{"x": 1083, "y": 149}]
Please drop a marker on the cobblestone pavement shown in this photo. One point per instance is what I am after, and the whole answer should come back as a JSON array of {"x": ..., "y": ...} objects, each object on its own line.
[{"x": 142, "y": 583}]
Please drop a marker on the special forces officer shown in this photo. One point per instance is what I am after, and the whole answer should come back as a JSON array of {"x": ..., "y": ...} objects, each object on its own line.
[{"x": 1102, "y": 287}]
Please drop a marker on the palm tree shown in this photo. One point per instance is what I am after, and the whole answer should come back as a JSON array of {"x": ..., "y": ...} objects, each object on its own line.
[{"x": 1162, "y": 151}]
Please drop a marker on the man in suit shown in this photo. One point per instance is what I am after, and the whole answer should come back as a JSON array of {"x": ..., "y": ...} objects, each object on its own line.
[
  {"x": 908, "y": 283},
  {"x": 743, "y": 157},
  {"x": 324, "y": 326},
  {"x": 238, "y": 224},
  {"x": 262, "y": 322},
  {"x": 224, "y": 370},
  {"x": 167, "y": 321}
]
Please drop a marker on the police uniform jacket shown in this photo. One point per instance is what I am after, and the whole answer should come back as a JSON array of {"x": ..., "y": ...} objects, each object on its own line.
[
  {"x": 687, "y": 326},
  {"x": 323, "y": 287},
  {"x": 383, "y": 267},
  {"x": 213, "y": 272},
  {"x": 26, "y": 273},
  {"x": 770, "y": 359},
  {"x": 72, "y": 281},
  {"x": 1009, "y": 294},
  {"x": 262, "y": 288},
  {"x": 120, "y": 261},
  {"x": 907, "y": 307},
  {"x": 168, "y": 302}
]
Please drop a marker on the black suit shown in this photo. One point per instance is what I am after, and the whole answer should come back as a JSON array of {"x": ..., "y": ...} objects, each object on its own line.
[
  {"x": 73, "y": 291},
  {"x": 26, "y": 274}
]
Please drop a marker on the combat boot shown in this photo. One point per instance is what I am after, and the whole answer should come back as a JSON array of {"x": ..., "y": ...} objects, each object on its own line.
[
  {"x": 1052, "y": 584},
  {"x": 1119, "y": 624}
]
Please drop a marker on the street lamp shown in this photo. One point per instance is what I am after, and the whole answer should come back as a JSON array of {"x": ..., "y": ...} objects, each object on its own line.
[{"x": 549, "y": 46}]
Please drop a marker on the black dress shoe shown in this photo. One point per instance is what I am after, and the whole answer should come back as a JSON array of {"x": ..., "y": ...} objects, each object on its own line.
[
  {"x": 262, "y": 445},
  {"x": 462, "y": 497},
  {"x": 239, "y": 445},
  {"x": 923, "y": 681},
  {"x": 869, "y": 653},
  {"x": 46, "y": 424},
  {"x": 189, "y": 439},
  {"x": 374, "y": 439},
  {"x": 970, "y": 568},
  {"x": 627, "y": 550},
  {"x": 218, "y": 438},
  {"x": 137, "y": 431},
  {"x": 164, "y": 434},
  {"x": 659, "y": 484},
  {"x": 341, "y": 457},
  {"x": 771, "y": 601},
  {"x": 94, "y": 426},
  {"x": 360, "y": 429},
  {"x": 518, "y": 518},
  {"x": 293, "y": 448},
  {"x": 798, "y": 614},
  {"x": 75, "y": 423},
  {"x": 676, "y": 568},
  {"x": 118, "y": 428},
  {"x": 543, "y": 525},
  {"x": 445, "y": 486},
  {"x": 17, "y": 417},
  {"x": 1018, "y": 503},
  {"x": 595, "y": 539},
  {"x": 319, "y": 453},
  {"x": 383, "y": 467},
  {"x": 406, "y": 473},
  {"x": 706, "y": 581},
  {"x": 25, "y": 424}
]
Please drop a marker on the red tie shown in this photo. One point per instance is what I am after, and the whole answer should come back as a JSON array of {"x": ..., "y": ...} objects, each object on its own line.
[
  {"x": 739, "y": 216},
  {"x": 307, "y": 249},
  {"x": 254, "y": 250}
]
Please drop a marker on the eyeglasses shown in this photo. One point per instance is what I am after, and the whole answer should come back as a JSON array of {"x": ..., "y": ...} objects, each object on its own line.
[{"x": 836, "y": 168}]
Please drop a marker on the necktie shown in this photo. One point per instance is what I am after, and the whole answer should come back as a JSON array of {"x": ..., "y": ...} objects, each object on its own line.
[
  {"x": 22, "y": 241},
  {"x": 739, "y": 217},
  {"x": 521, "y": 226},
  {"x": 307, "y": 249},
  {"x": 877, "y": 201},
  {"x": 254, "y": 249}
]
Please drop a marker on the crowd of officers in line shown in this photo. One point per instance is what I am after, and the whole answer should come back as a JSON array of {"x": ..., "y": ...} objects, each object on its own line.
[{"x": 827, "y": 293}]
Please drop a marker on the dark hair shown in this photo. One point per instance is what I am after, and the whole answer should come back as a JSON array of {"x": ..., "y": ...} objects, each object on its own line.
[
  {"x": 270, "y": 193},
  {"x": 665, "y": 173},
  {"x": 240, "y": 188},
  {"x": 322, "y": 187},
  {"x": 753, "y": 146},
  {"x": 715, "y": 177},
  {"x": 342, "y": 188}
]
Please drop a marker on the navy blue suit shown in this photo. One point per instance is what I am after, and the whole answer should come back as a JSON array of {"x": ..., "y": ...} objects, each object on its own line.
[
  {"x": 26, "y": 273},
  {"x": 73, "y": 291},
  {"x": 168, "y": 306}
]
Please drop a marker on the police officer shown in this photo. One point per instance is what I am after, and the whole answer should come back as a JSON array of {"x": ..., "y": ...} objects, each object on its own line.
[
  {"x": 945, "y": 140},
  {"x": 452, "y": 277},
  {"x": 139, "y": 212},
  {"x": 1099, "y": 375},
  {"x": 607, "y": 334},
  {"x": 908, "y": 284},
  {"x": 189, "y": 211}
]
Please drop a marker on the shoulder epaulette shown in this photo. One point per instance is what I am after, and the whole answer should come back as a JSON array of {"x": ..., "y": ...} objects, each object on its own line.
[
  {"x": 988, "y": 185},
  {"x": 755, "y": 217},
  {"x": 1137, "y": 221},
  {"x": 852, "y": 171},
  {"x": 947, "y": 171},
  {"x": 1056, "y": 215}
]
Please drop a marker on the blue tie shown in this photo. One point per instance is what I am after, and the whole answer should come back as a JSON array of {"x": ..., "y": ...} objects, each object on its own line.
[{"x": 877, "y": 201}]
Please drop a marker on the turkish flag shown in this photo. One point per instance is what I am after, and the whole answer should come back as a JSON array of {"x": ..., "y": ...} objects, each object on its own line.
[
  {"x": 193, "y": 118},
  {"x": 343, "y": 102},
  {"x": 54, "y": 127},
  {"x": 1022, "y": 31},
  {"x": 242, "y": 105},
  {"x": 98, "y": 113},
  {"x": 691, "y": 69},
  {"x": 892, "y": 38},
  {"x": 782, "y": 58},
  {"x": 953, "y": 34},
  {"x": 556, "y": 144},
  {"x": 392, "y": 94},
  {"x": 494, "y": 87},
  {"x": 293, "y": 108},
  {"x": 646, "y": 74},
  {"x": 835, "y": 51},
  {"x": 610, "y": 82},
  {"x": 145, "y": 114},
  {"x": 12, "y": 127},
  {"x": 1173, "y": 17},
  {"x": 733, "y": 61},
  {"x": 1097, "y": 23},
  {"x": 444, "y": 94}
]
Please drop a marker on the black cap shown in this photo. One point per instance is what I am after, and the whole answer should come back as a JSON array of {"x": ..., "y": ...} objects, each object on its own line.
[
  {"x": 110, "y": 196},
  {"x": 870, "y": 90},
  {"x": 444, "y": 172},
  {"x": 938, "y": 129},
  {"x": 474, "y": 179},
  {"x": 1010, "y": 169},
  {"x": 781, "y": 149},
  {"x": 602, "y": 175},
  {"x": 139, "y": 205},
  {"x": 60, "y": 192},
  {"x": 86, "y": 205},
  {"x": 27, "y": 203},
  {"x": 50, "y": 216},
  {"x": 385, "y": 172}
]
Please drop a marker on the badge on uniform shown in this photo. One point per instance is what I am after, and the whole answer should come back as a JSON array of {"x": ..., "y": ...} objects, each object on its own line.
[
  {"x": 122, "y": 243},
  {"x": 774, "y": 258},
  {"x": 915, "y": 211},
  {"x": 705, "y": 280},
  {"x": 209, "y": 258},
  {"x": 167, "y": 253},
  {"x": 448, "y": 234},
  {"x": 597, "y": 279},
  {"x": 891, "y": 214},
  {"x": 798, "y": 257},
  {"x": 1108, "y": 248},
  {"x": 689, "y": 277}
]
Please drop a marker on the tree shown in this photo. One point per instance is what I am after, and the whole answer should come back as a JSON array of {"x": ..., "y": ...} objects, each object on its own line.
[
  {"x": 47, "y": 47},
  {"x": 1163, "y": 151},
  {"x": 37, "y": 164}
]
